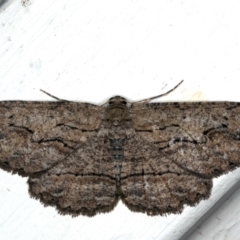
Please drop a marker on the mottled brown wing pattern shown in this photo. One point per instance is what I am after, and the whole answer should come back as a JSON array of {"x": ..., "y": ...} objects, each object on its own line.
[
  {"x": 203, "y": 137},
  {"x": 83, "y": 158},
  {"x": 56, "y": 145},
  {"x": 83, "y": 183},
  {"x": 152, "y": 183},
  {"x": 75, "y": 194},
  {"x": 36, "y": 135}
]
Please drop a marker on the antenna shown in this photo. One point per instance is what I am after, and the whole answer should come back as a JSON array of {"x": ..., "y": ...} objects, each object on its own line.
[{"x": 161, "y": 95}]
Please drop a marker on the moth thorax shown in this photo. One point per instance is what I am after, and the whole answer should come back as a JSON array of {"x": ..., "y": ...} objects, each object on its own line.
[{"x": 116, "y": 115}]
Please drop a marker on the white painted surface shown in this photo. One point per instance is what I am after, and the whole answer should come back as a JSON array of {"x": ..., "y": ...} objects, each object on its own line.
[
  {"x": 223, "y": 223},
  {"x": 92, "y": 50}
]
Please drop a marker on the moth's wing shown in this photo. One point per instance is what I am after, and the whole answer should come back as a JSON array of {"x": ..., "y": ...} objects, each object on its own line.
[
  {"x": 152, "y": 183},
  {"x": 36, "y": 135},
  {"x": 83, "y": 183},
  {"x": 177, "y": 149},
  {"x": 203, "y": 137},
  {"x": 57, "y": 144}
]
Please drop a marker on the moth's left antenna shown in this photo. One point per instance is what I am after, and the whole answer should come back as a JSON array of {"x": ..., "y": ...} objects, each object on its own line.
[{"x": 50, "y": 95}]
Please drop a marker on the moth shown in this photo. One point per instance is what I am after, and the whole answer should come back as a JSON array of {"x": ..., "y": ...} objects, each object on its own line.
[{"x": 83, "y": 158}]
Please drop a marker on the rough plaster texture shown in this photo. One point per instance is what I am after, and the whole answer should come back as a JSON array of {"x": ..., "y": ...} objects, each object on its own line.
[{"x": 92, "y": 50}]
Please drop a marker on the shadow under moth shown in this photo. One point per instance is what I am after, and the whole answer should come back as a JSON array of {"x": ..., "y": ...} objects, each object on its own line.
[{"x": 155, "y": 157}]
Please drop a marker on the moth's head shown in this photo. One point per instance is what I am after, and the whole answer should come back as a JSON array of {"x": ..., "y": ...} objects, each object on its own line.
[
  {"x": 117, "y": 101},
  {"x": 117, "y": 109}
]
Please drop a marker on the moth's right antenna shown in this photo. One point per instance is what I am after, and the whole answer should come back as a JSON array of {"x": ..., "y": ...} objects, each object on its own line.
[
  {"x": 50, "y": 95},
  {"x": 161, "y": 95}
]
